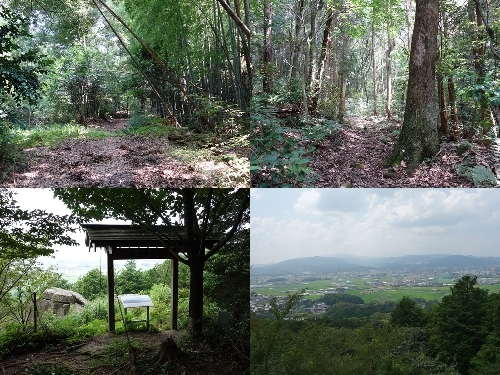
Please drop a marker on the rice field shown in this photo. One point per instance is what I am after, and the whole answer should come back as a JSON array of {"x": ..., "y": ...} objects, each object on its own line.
[{"x": 360, "y": 287}]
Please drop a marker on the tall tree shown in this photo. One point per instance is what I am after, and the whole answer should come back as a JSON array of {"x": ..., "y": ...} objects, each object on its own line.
[
  {"x": 194, "y": 214},
  {"x": 418, "y": 138},
  {"x": 458, "y": 328},
  {"x": 407, "y": 314},
  {"x": 267, "y": 59}
]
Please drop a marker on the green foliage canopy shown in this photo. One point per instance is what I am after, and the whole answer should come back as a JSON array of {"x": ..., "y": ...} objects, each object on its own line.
[
  {"x": 457, "y": 329},
  {"x": 20, "y": 64},
  {"x": 407, "y": 314}
]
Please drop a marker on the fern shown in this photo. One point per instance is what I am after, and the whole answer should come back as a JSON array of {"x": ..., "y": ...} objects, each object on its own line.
[{"x": 479, "y": 175}]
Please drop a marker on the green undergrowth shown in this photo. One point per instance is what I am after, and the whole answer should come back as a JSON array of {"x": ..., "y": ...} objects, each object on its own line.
[
  {"x": 52, "y": 331},
  {"x": 150, "y": 126},
  {"x": 478, "y": 174},
  {"x": 54, "y": 135},
  {"x": 279, "y": 147}
]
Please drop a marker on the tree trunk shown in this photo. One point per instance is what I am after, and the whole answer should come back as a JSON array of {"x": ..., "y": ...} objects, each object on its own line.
[
  {"x": 296, "y": 45},
  {"x": 196, "y": 261},
  {"x": 418, "y": 138},
  {"x": 391, "y": 43},
  {"x": 195, "y": 325},
  {"x": 374, "y": 65},
  {"x": 305, "y": 102},
  {"x": 322, "y": 61},
  {"x": 315, "y": 9},
  {"x": 268, "y": 48},
  {"x": 443, "y": 111},
  {"x": 478, "y": 51},
  {"x": 453, "y": 105},
  {"x": 343, "y": 84}
]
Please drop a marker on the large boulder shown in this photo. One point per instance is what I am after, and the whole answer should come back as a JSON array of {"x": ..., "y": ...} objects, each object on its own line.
[{"x": 59, "y": 301}]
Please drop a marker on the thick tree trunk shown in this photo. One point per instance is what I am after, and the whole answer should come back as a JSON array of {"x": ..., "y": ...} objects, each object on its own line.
[
  {"x": 418, "y": 138},
  {"x": 268, "y": 48},
  {"x": 195, "y": 324},
  {"x": 196, "y": 261}
]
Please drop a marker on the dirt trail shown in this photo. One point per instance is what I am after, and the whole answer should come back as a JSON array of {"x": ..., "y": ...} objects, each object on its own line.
[
  {"x": 354, "y": 158},
  {"x": 124, "y": 161},
  {"x": 90, "y": 357}
]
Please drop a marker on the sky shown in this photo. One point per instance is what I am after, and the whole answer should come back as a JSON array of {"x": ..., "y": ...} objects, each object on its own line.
[
  {"x": 67, "y": 259},
  {"x": 295, "y": 223}
]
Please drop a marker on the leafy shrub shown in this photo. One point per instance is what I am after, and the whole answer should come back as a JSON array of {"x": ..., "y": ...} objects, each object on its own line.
[
  {"x": 478, "y": 174},
  {"x": 276, "y": 157},
  {"x": 160, "y": 312},
  {"x": 95, "y": 309},
  {"x": 147, "y": 125},
  {"x": 317, "y": 129},
  {"x": 8, "y": 149}
]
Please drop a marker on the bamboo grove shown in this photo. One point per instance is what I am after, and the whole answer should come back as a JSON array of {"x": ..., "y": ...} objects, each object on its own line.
[{"x": 185, "y": 60}]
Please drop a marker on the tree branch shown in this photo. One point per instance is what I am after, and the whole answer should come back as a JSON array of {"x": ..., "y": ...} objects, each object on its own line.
[{"x": 235, "y": 18}]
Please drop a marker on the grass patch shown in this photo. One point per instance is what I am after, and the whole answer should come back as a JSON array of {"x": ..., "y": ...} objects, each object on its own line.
[
  {"x": 55, "y": 135},
  {"x": 149, "y": 126}
]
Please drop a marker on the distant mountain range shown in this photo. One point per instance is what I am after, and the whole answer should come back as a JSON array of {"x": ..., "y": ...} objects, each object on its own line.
[{"x": 346, "y": 262}]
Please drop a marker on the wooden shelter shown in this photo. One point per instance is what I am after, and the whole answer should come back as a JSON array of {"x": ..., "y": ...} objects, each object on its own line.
[{"x": 124, "y": 242}]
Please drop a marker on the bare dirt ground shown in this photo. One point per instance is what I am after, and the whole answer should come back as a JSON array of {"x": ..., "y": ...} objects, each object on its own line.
[
  {"x": 89, "y": 357},
  {"x": 354, "y": 158},
  {"x": 127, "y": 161}
]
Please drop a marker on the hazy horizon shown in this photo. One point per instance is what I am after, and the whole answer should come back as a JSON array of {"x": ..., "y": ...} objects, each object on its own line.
[
  {"x": 71, "y": 261},
  {"x": 343, "y": 255},
  {"x": 296, "y": 223}
]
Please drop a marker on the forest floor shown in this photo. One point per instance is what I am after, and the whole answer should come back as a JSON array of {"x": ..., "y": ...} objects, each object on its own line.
[
  {"x": 108, "y": 354},
  {"x": 354, "y": 157},
  {"x": 181, "y": 159}
]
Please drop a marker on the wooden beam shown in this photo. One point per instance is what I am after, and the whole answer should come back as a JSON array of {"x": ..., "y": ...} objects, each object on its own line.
[
  {"x": 111, "y": 288},
  {"x": 141, "y": 253},
  {"x": 174, "y": 287}
]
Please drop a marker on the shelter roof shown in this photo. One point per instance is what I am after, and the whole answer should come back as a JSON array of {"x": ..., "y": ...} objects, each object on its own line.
[{"x": 135, "y": 236}]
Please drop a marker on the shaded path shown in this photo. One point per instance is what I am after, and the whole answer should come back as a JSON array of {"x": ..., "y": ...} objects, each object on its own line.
[
  {"x": 124, "y": 161},
  {"x": 354, "y": 158}
]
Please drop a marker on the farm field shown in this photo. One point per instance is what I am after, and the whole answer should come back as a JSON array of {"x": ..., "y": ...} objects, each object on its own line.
[{"x": 359, "y": 287}]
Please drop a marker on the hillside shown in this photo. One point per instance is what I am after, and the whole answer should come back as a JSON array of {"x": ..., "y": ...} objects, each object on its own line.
[{"x": 344, "y": 262}]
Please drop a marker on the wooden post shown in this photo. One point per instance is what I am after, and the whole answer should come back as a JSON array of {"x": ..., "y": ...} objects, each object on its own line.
[
  {"x": 174, "y": 286},
  {"x": 111, "y": 287},
  {"x": 147, "y": 318}
]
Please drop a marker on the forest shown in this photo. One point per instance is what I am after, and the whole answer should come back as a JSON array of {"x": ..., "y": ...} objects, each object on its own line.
[
  {"x": 458, "y": 335},
  {"x": 124, "y": 93},
  {"x": 371, "y": 93},
  {"x": 79, "y": 342}
]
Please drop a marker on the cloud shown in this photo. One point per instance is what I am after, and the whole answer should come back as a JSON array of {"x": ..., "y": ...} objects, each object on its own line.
[
  {"x": 331, "y": 201},
  {"x": 377, "y": 223},
  {"x": 254, "y": 194}
]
